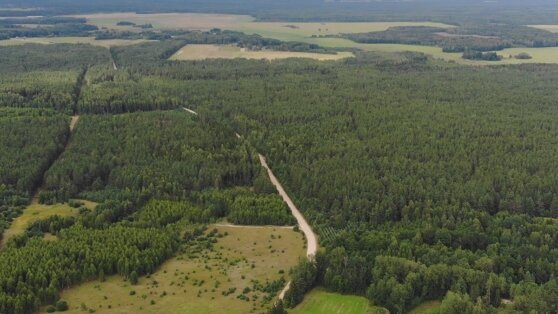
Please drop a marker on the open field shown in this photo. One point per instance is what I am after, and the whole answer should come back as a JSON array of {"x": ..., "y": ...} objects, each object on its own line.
[
  {"x": 70, "y": 40},
  {"x": 37, "y": 211},
  {"x": 195, "y": 282},
  {"x": 190, "y": 21},
  {"x": 279, "y": 30},
  {"x": 428, "y": 307},
  {"x": 550, "y": 28},
  {"x": 319, "y": 301},
  {"x": 201, "y": 52}
]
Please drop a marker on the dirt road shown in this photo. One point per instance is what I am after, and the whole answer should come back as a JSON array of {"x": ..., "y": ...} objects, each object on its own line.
[
  {"x": 311, "y": 239},
  {"x": 190, "y": 111}
]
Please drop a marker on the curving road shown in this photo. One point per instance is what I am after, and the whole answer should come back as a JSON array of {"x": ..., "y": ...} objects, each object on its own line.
[{"x": 311, "y": 239}]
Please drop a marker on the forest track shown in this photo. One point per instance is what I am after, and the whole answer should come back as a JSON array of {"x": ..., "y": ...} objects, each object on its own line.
[
  {"x": 190, "y": 111},
  {"x": 253, "y": 227},
  {"x": 35, "y": 197},
  {"x": 311, "y": 238},
  {"x": 73, "y": 123}
]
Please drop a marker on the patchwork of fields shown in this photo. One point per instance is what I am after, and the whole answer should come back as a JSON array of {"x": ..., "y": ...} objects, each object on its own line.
[{"x": 312, "y": 33}]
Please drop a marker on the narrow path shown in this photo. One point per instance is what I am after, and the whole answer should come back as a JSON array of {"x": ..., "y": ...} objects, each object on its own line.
[
  {"x": 253, "y": 227},
  {"x": 311, "y": 239},
  {"x": 114, "y": 65},
  {"x": 190, "y": 111},
  {"x": 73, "y": 123}
]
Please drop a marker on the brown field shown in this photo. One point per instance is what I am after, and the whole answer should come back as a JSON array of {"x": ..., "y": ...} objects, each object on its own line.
[
  {"x": 202, "y": 52},
  {"x": 195, "y": 283},
  {"x": 550, "y": 28},
  {"x": 70, "y": 40}
]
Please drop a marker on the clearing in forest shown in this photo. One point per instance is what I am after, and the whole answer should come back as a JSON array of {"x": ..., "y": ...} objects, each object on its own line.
[
  {"x": 319, "y": 301},
  {"x": 202, "y": 52},
  {"x": 227, "y": 278},
  {"x": 36, "y": 211}
]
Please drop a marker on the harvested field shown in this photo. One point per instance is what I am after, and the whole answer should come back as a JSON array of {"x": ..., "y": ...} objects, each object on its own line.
[{"x": 202, "y": 52}]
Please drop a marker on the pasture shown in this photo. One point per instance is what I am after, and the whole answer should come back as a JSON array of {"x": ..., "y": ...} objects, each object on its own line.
[
  {"x": 107, "y": 43},
  {"x": 36, "y": 211},
  {"x": 227, "y": 278},
  {"x": 319, "y": 301},
  {"x": 201, "y": 52}
]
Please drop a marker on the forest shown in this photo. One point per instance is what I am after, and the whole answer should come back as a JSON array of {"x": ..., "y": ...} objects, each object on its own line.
[{"x": 31, "y": 140}]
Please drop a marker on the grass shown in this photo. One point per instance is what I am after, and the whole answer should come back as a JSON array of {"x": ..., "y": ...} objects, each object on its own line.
[
  {"x": 428, "y": 307},
  {"x": 319, "y": 301},
  {"x": 194, "y": 282},
  {"x": 36, "y": 212},
  {"x": 200, "y": 52},
  {"x": 71, "y": 40}
]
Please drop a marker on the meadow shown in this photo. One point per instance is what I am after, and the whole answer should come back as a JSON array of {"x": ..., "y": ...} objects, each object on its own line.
[
  {"x": 227, "y": 278},
  {"x": 36, "y": 211},
  {"x": 201, "y": 52},
  {"x": 320, "y": 301}
]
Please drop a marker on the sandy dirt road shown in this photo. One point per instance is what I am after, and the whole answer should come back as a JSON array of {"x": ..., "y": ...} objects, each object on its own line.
[{"x": 311, "y": 239}]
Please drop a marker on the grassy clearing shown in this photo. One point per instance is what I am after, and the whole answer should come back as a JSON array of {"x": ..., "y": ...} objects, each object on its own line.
[
  {"x": 201, "y": 52},
  {"x": 428, "y": 307},
  {"x": 195, "y": 282},
  {"x": 37, "y": 211},
  {"x": 319, "y": 301},
  {"x": 70, "y": 40}
]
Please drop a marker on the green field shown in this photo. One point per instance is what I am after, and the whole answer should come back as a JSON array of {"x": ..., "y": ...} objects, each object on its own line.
[
  {"x": 194, "y": 283},
  {"x": 319, "y": 301},
  {"x": 428, "y": 307},
  {"x": 37, "y": 211},
  {"x": 202, "y": 52}
]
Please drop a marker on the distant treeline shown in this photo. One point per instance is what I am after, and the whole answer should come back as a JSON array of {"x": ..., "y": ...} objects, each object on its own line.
[{"x": 485, "y": 37}]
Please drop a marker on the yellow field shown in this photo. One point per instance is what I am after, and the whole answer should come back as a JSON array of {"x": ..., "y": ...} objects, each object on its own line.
[
  {"x": 191, "y": 21},
  {"x": 70, "y": 40},
  {"x": 37, "y": 211},
  {"x": 202, "y": 52},
  {"x": 244, "y": 23},
  {"x": 244, "y": 254},
  {"x": 550, "y": 28}
]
